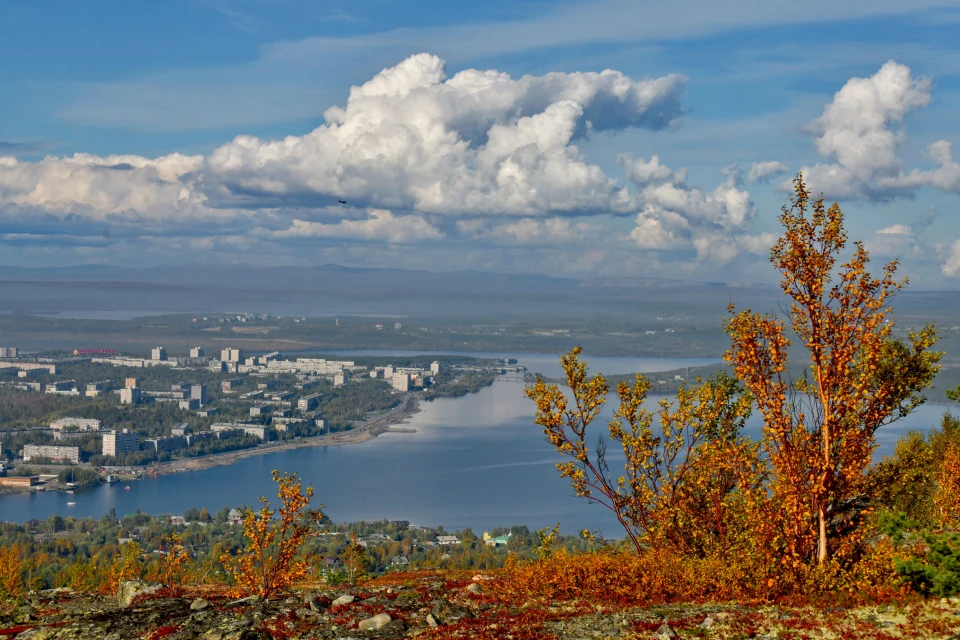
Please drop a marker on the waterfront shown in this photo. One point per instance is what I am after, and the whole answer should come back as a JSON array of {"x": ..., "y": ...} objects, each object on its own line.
[{"x": 477, "y": 461}]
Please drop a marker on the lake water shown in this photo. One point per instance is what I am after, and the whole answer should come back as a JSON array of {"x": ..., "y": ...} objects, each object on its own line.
[{"x": 476, "y": 461}]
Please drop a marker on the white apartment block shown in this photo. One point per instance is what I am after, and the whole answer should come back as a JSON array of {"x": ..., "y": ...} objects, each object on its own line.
[
  {"x": 231, "y": 355},
  {"x": 158, "y": 353},
  {"x": 401, "y": 381},
  {"x": 82, "y": 424},
  {"x": 117, "y": 443},
  {"x": 196, "y": 352},
  {"x": 54, "y": 452},
  {"x": 435, "y": 367},
  {"x": 130, "y": 395}
]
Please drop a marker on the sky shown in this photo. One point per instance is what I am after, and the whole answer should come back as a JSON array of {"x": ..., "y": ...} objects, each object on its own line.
[{"x": 574, "y": 138}]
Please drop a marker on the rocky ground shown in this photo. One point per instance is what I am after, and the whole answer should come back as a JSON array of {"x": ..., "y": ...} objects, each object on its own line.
[{"x": 439, "y": 607}]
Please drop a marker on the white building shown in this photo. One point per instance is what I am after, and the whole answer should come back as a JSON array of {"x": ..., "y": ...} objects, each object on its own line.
[
  {"x": 231, "y": 355},
  {"x": 117, "y": 443},
  {"x": 435, "y": 367},
  {"x": 82, "y": 424},
  {"x": 249, "y": 429},
  {"x": 196, "y": 352},
  {"x": 54, "y": 452},
  {"x": 308, "y": 403},
  {"x": 401, "y": 381},
  {"x": 9, "y": 352},
  {"x": 340, "y": 379},
  {"x": 130, "y": 395},
  {"x": 168, "y": 443},
  {"x": 158, "y": 353},
  {"x": 447, "y": 540}
]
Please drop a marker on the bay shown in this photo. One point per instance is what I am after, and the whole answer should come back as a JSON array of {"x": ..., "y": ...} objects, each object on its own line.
[{"x": 477, "y": 461}]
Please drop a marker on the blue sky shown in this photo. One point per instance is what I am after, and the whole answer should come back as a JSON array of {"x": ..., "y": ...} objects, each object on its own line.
[{"x": 111, "y": 78}]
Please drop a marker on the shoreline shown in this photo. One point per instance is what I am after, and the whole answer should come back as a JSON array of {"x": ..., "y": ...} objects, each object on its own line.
[{"x": 370, "y": 428}]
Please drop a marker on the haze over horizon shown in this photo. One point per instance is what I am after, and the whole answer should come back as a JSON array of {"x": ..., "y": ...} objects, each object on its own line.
[{"x": 575, "y": 139}]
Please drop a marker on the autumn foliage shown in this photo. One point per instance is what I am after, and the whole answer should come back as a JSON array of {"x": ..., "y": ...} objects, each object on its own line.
[
  {"x": 271, "y": 559},
  {"x": 791, "y": 512}
]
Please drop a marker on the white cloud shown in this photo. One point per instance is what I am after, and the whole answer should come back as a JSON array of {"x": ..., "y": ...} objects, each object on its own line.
[
  {"x": 896, "y": 230},
  {"x": 764, "y": 171},
  {"x": 479, "y": 143},
  {"x": 856, "y": 130},
  {"x": 951, "y": 266},
  {"x": 529, "y": 231},
  {"x": 381, "y": 226}
]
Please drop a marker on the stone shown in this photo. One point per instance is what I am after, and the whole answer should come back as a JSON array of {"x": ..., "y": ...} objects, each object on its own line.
[
  {"x": 343, "y": 600},
  {"x": 130, "y": 589},
  {"x": 707, "y": 623},
  {"x": 431, "y": 621},
  {"x": 376, "y": 622},
  {"x": 474, "y": 588},
  {"x": 666, "y": 632},
  {"x": 199, "y": 605}
]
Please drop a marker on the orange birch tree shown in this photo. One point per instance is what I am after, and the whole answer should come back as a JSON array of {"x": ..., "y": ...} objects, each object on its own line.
[{"x": 819, "y": 430}]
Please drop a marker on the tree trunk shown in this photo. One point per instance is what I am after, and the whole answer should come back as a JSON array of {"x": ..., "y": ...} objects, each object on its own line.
[{"x": 822, "y": 547}]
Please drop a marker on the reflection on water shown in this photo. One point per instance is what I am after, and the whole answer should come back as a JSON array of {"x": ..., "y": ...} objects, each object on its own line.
[{"x": 477, "y": 461}]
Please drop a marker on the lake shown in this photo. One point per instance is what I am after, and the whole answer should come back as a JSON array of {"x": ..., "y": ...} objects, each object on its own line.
[{"x": 476, "y": 461}]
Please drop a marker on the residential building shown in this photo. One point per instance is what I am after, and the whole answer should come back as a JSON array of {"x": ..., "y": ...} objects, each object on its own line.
[
  {"x": 117, "y": 443},
  {"x": 249, "y": 429},
  {"x": 399, "y": 561},
  {"x": 193, "y": 438},
  {"x": 131, "y": 383},
  {"x": 94, "y": 389},
  {"x": 496, "y": 541},
  {"x": 401, "y": 381},
  {"x": 56, "y": 453},
  {"x": 82, "y": 424},
  {"x": 234, "y": 517},
  {"x": 165, "y": 443},
  {"x": 199, "y": 393},
  {"x": 189, "y": 404},
  {"x": 218, "y": 366},
  {"x": 308, "y": 403},
  {"x": 9, "y": 352},
  {"x": 260, "y": 410},
  {"x": 75, "y": 435},
  {"x": 435, "y": 367},
  {"x": 158, "y": 353},
  {"x": 206, "y": 413},
  {"x": 231, "y": 355},
  {"x": 340, "y": 379},
  {"x": 229, "y": 386},
  {"x": 31, "y": 373},
  {"x": 267, "y": 385},
  {"x": 178, "y": 521},
  {"x": 196, "y": 352},
  {"x": 447, "y": 540},
  {"x": 180, "y": 429},
  {"x": 320, "y": 423},
  {"x": 388, "y": 372},
  {"x": 180, "y": 386},
  {"x": 61, "y": 385},
  {"x": 130, "y": 395}
]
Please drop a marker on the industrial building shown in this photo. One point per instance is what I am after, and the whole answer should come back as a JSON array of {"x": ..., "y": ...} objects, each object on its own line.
[
  {"x": 117, "y": 443},
  {"x": 56, "y": 453}
]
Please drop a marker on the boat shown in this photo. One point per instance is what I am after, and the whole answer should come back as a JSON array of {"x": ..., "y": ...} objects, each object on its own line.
[
  {"x": 126, "y": 488},
  {"x": 70, "y": 504}
]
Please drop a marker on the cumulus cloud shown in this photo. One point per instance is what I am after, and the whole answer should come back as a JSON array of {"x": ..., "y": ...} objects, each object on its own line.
[
  {"x": 951, "y": 266},
  {"x": 763, "y": 171},
  {"x": 528, "y": 231},
  {"x": 479, "y": 142},
  {"x": 896, "y": 230},
  {"x": 859, "y": 131},
  {"x": 676, "y": 215},
  {"x": 381, "y": 226}
]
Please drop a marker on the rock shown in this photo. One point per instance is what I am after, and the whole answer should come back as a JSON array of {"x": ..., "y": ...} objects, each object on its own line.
[
  {"x": 247, "y": 600},
  {"x": 474, "y": 588},
  {"x": 707, "y": 623},
  {"x": 376, "y": 622},
  {"x": 666, "y": 632},
  {"x": 130, "y": 589},
  {"x": 199, "y": 605},
  {"x": 446, "y": 613},
  {"x": 343, "y": 600},
  {"x": 431, "y": 621}
]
